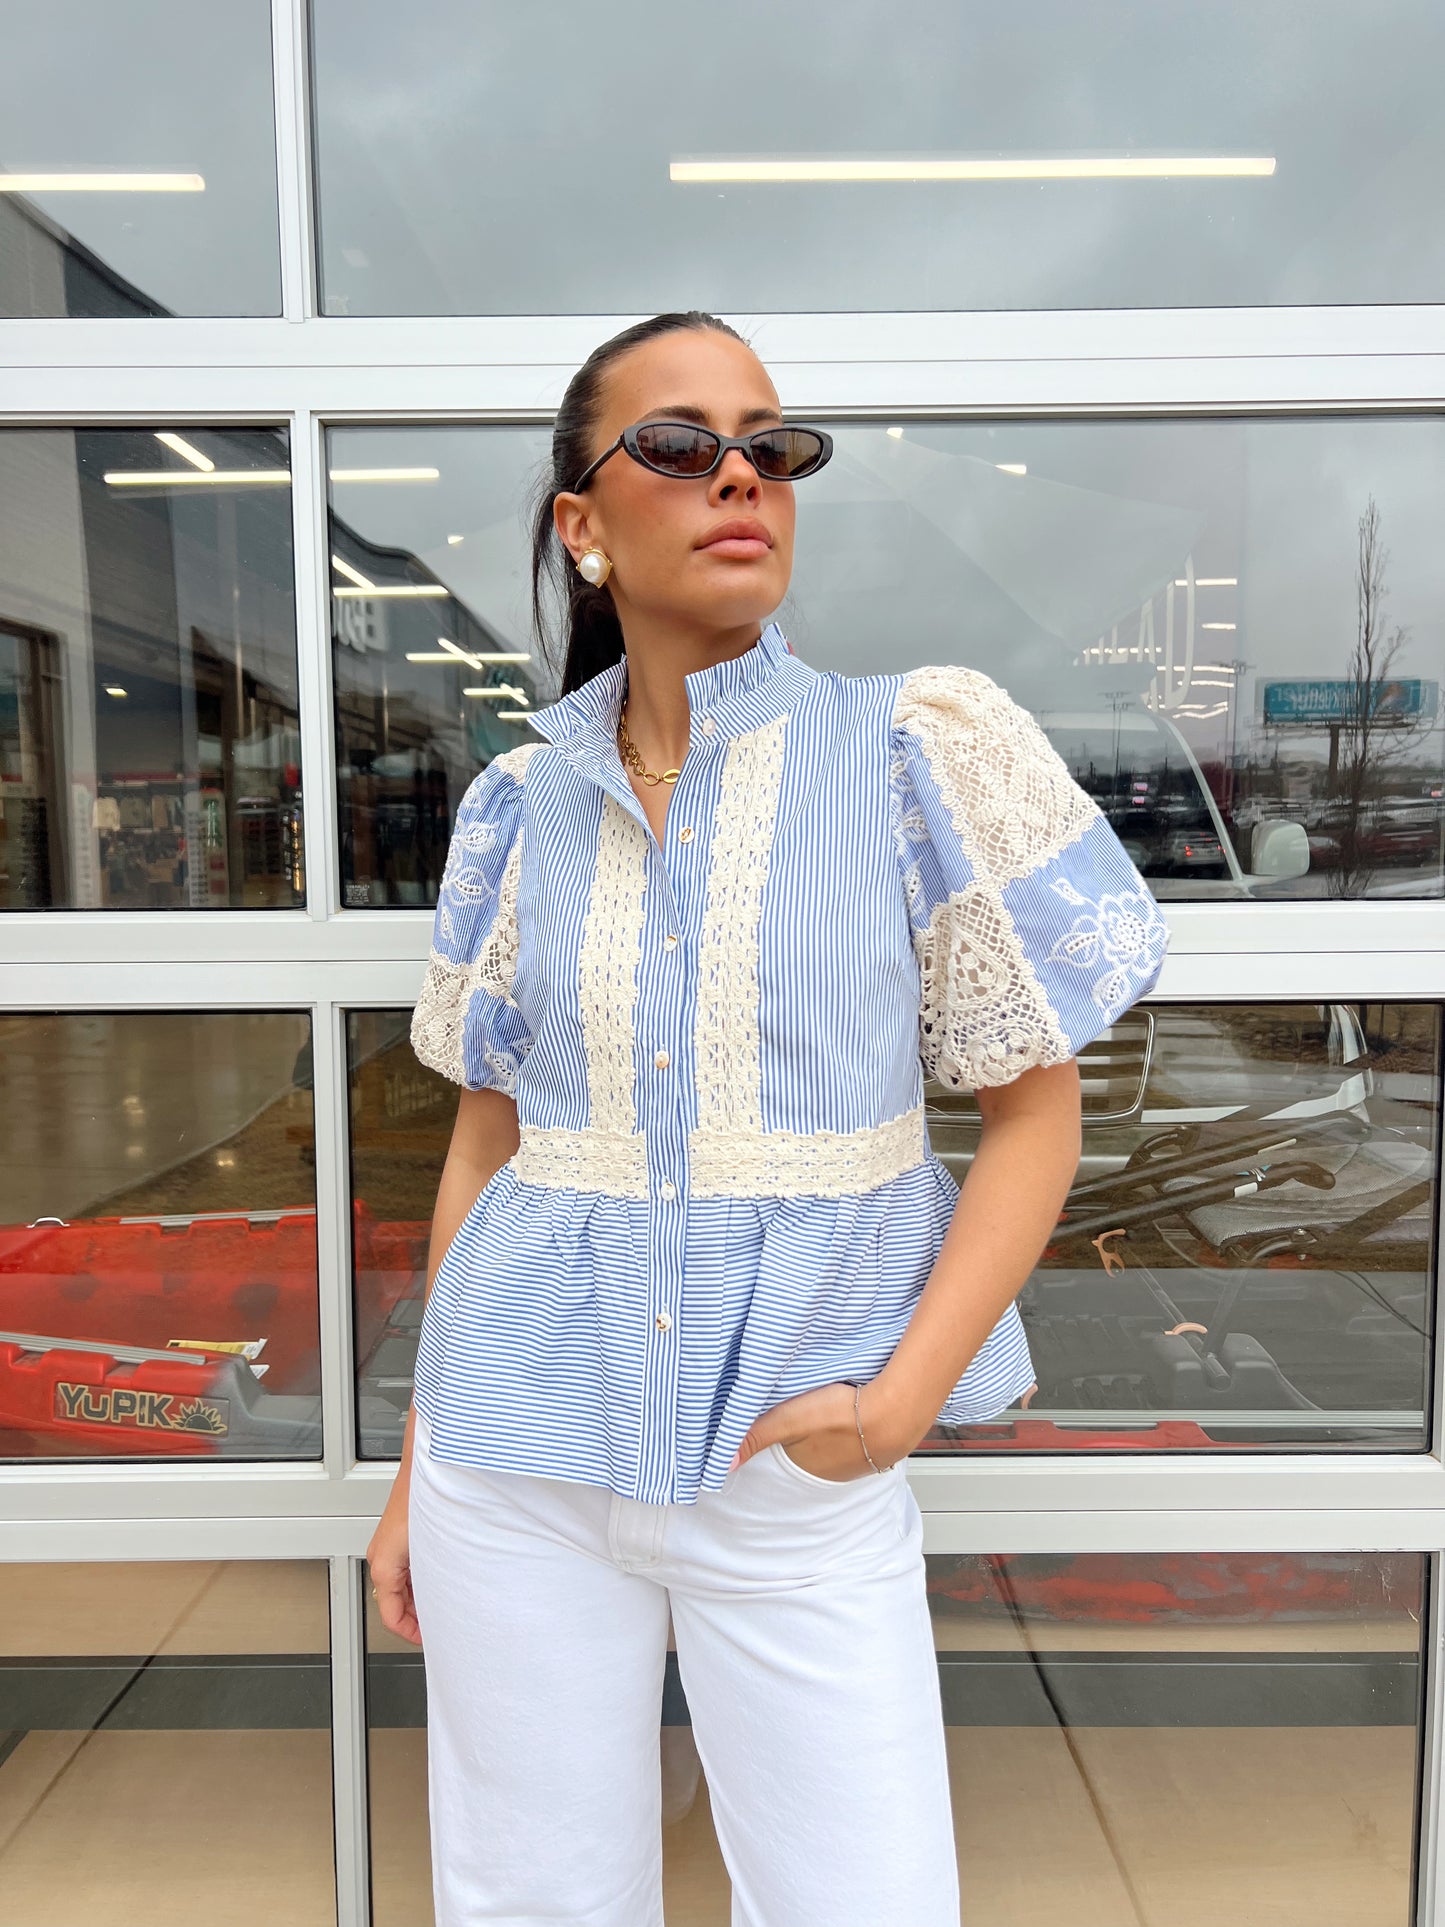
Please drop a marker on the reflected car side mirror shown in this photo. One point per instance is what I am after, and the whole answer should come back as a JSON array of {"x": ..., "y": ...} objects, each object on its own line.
[{"x": 1280, "y": 848}]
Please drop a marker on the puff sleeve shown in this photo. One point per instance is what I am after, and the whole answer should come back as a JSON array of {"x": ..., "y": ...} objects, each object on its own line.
[
  {"x": 1033, "y": 929},
  {"x": 466, "y": 1024}
]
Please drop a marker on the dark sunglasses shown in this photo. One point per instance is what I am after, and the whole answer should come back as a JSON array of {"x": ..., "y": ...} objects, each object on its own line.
[{"x": 686, "y": 450}]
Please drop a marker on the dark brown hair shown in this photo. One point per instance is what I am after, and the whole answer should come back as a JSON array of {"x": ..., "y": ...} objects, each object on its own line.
[{"x": 592, "y": 637}]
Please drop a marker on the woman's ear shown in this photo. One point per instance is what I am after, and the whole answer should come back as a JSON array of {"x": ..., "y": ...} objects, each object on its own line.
[{"x": 574, "y": 525}]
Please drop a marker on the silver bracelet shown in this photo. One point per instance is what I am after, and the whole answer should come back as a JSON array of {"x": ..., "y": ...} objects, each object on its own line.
[{"x": 857, "y": 1394}]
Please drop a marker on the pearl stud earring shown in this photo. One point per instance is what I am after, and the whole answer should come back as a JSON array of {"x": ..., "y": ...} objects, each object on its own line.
[{"x": 594, "y": 567}]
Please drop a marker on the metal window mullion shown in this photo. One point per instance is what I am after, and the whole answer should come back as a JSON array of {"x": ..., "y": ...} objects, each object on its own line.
[
  {"x": 313, "y": 660},
  {"x": 333, "y": 1239},
  {"x": 349, "y": 1750},
  {"x": 290, "y": 89}
]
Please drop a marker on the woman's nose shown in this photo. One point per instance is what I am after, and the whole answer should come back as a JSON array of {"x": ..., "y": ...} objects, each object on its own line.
[{"x": 736, "y": 476}]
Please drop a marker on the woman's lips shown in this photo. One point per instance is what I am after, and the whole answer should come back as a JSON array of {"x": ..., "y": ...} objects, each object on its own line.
[
  {"x": 744, "y": 547},
  {"x": 742, "y": 538}
]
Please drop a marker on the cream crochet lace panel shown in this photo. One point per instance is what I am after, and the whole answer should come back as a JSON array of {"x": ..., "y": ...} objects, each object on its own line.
[
  {"x": 1009, "y": 792},
  {"x": 607, "y": 971},
  {"x": 438, "y": 1024},
  {"x": 725, "y": 1027},
  {"x": 795, "y": 1164},
  {"x": 983, "y": 1016},
  {"x": 591, "y": 1160}
]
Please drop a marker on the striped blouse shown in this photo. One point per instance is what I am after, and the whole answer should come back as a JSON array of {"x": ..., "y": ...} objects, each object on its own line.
[{"x": 724, "y": 1192}]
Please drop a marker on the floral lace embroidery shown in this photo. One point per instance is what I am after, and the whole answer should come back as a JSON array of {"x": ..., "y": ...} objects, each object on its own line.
[
  {"x": 1013, "y": 802},
  {"x": 607, "y": 969},
  {"x": 438, "y": 1024},
  {"x": 1122, "y": 938},
  {"x": 608, "y": 1161},
  {"x": 725, "y": 1029},
  {"x": 794, "y": 1164},
  {"x": 983, "y": 1016}
]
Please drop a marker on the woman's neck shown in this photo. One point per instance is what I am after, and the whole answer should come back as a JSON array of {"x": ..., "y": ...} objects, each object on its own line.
[{"x": 655, "y": 704}]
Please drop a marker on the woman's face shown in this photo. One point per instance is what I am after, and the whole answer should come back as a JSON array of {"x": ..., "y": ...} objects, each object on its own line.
[{"x": 662, "y": 532}]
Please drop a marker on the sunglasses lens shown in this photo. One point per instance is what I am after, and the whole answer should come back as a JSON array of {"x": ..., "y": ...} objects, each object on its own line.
[
  {"x": 675, "y": 449},
  {"x": 788, "y": 452}
]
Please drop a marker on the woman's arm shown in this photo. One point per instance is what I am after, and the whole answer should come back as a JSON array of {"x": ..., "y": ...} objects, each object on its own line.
[
  {"x": 484, "y": 1136},
  {"x": 1007, "y": 1208}
]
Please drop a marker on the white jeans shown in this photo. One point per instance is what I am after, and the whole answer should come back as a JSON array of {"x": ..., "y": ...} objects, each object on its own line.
[{"x": 806, "y": 1653}]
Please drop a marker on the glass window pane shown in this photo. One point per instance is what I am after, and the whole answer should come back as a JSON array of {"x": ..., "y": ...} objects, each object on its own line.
[
  {"x": 431, "y": 639},
  {"x": 1244, "y": 1259},
  {"x": 1245, "y": 1256},
  {"x": 168, "y": 1743},
  {"x": 1179, "y": 1738},
  {"x": 149, "y": 737},
  {"x": 158, "y": 1284},
  {"x": 132, "y": 182},
  {"x": 1180, "y": 602},
  {"x": 1052, "y": 157}
]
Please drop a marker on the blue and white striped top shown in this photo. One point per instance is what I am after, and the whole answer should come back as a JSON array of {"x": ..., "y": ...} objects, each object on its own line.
[{"x": 724, "y": 1192}]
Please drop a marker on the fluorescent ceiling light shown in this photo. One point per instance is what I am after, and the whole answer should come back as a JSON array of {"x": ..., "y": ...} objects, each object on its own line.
[
  {"x": 396, "y": 589},
  {"x": 499, "y": 691},
  {"x": 1208, "y": 582},
  {"x": 896, "y": 433},
  {"x": 1219, "y": 625},
  {"x": 385, "y": 474},
  {"x": 188, "y": 449},
  {"x": 1013, "y": 468},
  {"x": 185, "y": 478},
  {"x": 343, "y": 567},
  {"x": 480, "y": 656},
  {"x": 454, "y": 539},
  {"x": 1022, "y": 167},
  {"x": 78, "y": 183},
  {"x": 114, "y": 689},
  {"x": 454, "y": 653},
  {"x": 513, "y": 716}
]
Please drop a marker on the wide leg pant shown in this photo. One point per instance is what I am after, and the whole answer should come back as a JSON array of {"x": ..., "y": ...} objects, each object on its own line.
[{"x": 806, "y": 1653}]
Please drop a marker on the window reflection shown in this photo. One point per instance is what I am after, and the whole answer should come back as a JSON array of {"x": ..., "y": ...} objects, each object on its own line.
[
  {"x": 431, "y": 638},
  {"x": 1245, "y": 1256},
  {"x": 130, "y": 183},
  {"x": 1230, "y": 630},
  {"x": 1244, "y": 1259},
  {"x": 149, "y": 737},
  {"x": 158, "y": 1283},
  {"x": 161, "y": 1719},
  {"x": 461, "y": 200}
]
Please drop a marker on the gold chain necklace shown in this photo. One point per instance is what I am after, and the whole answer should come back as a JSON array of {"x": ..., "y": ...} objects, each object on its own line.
[{"x": 631, "y": 757}]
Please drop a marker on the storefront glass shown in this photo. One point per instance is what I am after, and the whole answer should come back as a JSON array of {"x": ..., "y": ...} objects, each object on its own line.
[
  {"x": 497, "y": 160},
  {"x": 158, "y": 1287},
  {"x": 166, "y": 1751},
  {"x": 1233, "y": 631},
  {"x": 150, "y": 756},
  {"x": 1182, "y": 1738},
  {"x": 1245, "y": 1258},
  {"x": 138, "y": 160}
]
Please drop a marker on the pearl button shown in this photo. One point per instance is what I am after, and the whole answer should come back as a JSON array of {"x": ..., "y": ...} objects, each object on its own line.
[
  {"x": 662, "y": 1060},
  {"x": 669, "y": 942},
  {"x": 663, "y": 1321},
  {"x": 668, "y": 1189},
  {"x": 708, "y": 725}
]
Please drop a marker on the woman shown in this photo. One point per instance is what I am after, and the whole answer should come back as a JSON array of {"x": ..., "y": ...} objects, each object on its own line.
[{"x": 699, "y": 1283}]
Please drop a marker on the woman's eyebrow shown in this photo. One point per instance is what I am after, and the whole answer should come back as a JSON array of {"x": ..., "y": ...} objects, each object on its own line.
[{"x": 690, "y": 412}]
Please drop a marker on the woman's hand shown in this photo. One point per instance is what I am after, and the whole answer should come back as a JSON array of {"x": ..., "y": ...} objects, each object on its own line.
[
  {"x": 818, "y": 1430},
  {"x": 387, "y": 1556}
]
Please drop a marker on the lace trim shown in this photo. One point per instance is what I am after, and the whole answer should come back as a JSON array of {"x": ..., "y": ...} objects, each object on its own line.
[
  {"x": 983, "y": 1015},
  {"x": 791, "y": 1164},
  {"x": 590, "y": 1160},
  {"x": 607, "y": 969},
  {"x": 725, "y": 1028},
  {"x": 439, "y": 1019},
  {"x": 1009, "y": 793}
]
